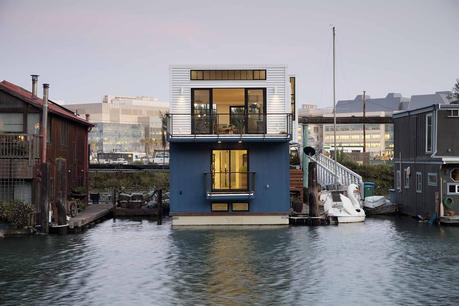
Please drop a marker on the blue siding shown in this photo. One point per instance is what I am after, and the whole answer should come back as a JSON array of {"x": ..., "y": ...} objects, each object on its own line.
[{"x": 189, "y": 162}]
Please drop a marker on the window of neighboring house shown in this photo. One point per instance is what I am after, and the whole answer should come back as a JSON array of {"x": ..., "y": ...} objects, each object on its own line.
[
  {"x": 407, "y": 178},
  {"x": 33, "y": 123},
  {"x": 432, "y": 179},
  {"x": 454, "y": 113},
  {"x": 12, "y": 122},
  {"x": 220, "y": 207},
  {"x": 398, "y": 180},
  {"x": 429, "y": 133},
  {"x": 455, "y": 174},
  {"x": 453, "y": 188},
  {"x": 244, "y": 206},
  {"x": 418, "y": 182}
]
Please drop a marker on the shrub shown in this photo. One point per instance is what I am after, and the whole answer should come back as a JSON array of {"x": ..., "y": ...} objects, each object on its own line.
[{"x": 16, "y": 212}]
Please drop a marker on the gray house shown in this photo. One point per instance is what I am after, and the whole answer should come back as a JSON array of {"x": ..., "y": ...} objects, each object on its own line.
[{"x": 426, "y": 162}]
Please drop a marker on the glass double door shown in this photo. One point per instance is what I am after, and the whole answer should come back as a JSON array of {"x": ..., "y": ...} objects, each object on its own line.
[
  {"x": 228, "y": 111},
  {"x": 229, "y": 170}
]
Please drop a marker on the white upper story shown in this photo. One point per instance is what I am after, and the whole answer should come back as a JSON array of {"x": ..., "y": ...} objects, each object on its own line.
[{"x": 248, "y": 101}]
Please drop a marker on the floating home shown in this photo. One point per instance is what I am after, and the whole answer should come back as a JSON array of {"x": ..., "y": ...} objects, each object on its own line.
[
  {"x": 20, "y": 147},
  {"x": 426, "y": 162},
  {"x": 229, "y": 129}
]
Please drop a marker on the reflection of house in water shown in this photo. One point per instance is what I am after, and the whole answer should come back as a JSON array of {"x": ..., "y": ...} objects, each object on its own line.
[{"x": 229, "y": 131}]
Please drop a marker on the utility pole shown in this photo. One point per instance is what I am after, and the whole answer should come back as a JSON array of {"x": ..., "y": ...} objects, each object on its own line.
[
  {"x": 334, "y": 110},
  {"x": 364, "y": 132}
]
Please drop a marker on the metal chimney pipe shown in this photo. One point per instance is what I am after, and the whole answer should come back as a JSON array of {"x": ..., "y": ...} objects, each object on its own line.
[
  {"x": 34, "y": 84},
  {"x": 44, "y": 122}
]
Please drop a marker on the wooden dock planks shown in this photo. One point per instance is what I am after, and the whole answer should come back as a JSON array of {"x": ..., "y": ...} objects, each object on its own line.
[{"x": 91, "y": 214}]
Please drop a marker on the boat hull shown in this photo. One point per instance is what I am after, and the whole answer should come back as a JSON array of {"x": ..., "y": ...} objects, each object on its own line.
[{"x": 350, "y": 219}]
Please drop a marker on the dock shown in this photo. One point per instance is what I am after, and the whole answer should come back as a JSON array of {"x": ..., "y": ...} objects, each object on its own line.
[{"x": 91, "y": 215}]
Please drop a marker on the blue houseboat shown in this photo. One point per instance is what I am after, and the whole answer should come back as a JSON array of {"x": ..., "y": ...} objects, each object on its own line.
[{"x": 229, "y": 130}]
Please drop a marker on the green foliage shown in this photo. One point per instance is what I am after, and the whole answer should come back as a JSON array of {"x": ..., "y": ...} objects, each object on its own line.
[
  {"x": 455, "y": 92},
  {"x": 79, "y": 190},
  {"x": 382, "y": 175},
  {"x": 140, "y": 180},
  {"x": 16, "y": 212}
]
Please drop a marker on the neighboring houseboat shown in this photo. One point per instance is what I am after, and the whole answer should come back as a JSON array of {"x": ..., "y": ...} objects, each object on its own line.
[
  {"x": 426, "y": 163},
  {"x": 20, "y": 147},
  {"x": 229, "y": 129}
]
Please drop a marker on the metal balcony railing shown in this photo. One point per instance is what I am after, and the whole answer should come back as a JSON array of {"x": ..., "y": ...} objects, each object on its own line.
[
  {"x": 230, "y": 182},
  {"x": 229, "y": 124}
]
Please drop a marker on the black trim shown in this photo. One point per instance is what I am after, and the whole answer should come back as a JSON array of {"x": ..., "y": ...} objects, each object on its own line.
[
  {"x": 212, "y": 171},
  {"x": 228, "y": 75}
]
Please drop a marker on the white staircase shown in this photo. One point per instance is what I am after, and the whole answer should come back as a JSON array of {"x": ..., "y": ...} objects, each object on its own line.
[{"x": 326, "y": 173}]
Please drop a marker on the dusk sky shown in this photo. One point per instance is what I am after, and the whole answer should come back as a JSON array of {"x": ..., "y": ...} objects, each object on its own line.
[{"x": 86, "y": 49}]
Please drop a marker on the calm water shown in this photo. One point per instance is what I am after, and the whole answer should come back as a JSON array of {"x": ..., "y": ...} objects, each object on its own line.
[{"x": 384, "y": 261}]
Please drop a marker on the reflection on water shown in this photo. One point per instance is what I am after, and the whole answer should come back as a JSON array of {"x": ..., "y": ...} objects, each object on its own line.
[{"x": 385, "y": 261}]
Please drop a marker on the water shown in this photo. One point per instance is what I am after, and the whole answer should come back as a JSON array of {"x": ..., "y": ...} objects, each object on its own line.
[{"x": 392, "y": 261}]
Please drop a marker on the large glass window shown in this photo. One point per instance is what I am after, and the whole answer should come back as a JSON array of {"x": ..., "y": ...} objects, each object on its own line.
[
  {"x": 201, "y": 112},
  {"x": 12, "y": 122},
  {"x": 229, "y": 170},
  {"x": 255, "y": 108}
]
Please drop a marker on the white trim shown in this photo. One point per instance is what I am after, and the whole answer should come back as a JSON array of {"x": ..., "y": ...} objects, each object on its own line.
[
  {"x": 406, "y": 178},
  {"x": 431, "y": 133},
  {"x": 230, "y": 220},
  {"x": 452, "y": 193},
  {"x": 419, "y": 182}
]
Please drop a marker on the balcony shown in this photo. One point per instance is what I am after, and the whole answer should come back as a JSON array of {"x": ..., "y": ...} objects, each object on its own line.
[
  {"x": 230, "y": 185},
  {"x": 229, "y": 127},
  {"x": 18, "y": 155}
]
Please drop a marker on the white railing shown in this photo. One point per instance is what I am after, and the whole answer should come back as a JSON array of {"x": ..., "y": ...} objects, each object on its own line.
[{"x": 326, "y": 173}]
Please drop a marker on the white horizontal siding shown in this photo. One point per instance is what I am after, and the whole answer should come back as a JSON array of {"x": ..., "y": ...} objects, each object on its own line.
[{"x": 276, "y": 103}]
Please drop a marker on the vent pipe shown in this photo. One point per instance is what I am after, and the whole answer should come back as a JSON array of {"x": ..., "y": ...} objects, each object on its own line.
[
  {"x": 44, "y": 122},
  {"x": 34, "y": 84}
]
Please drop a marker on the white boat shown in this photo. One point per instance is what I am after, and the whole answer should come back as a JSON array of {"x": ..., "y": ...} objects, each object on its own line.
[{"x": 345, "y": 208}]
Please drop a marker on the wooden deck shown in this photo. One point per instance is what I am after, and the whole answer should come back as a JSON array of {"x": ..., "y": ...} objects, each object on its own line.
[{"x": 92, "y": 214}]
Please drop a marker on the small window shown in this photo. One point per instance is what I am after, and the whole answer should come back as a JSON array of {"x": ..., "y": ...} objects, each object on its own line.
[
  {"x": 398, "y": 180},
  {"x": 432, "y": 179},
  {"x": 407, "y": 178},
  {"x": 219, "y": 206},
  {"x": 429, "y": 132},
  {"x": 240, "y": 207},
  {"x": 12, "y": 122},
  {"x": 453, "y": 188},
  {"x": 455, "y": 174},
  {"x": 418, "y": 182},
  {"x": 454, "y": 113}
]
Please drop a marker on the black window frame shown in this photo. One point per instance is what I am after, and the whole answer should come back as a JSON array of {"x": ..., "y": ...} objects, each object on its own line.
[{"x": 228, "y": 75}]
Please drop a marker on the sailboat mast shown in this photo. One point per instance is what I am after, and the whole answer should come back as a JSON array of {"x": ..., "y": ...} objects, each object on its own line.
[{"x": 334, "y": 111}]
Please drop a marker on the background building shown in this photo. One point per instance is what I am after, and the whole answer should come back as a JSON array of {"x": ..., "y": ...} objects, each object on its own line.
[{"x": 124, "y": 124}]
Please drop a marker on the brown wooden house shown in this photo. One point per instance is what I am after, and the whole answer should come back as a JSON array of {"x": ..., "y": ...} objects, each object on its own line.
[{"x": 20, "y": 142}]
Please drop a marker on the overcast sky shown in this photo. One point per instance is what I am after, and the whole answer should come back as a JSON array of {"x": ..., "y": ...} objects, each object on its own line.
[{"x": 86, "y": 49}]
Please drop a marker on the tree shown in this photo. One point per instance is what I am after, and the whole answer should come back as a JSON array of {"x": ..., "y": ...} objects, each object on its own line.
[{"x": 454, "y": 96}]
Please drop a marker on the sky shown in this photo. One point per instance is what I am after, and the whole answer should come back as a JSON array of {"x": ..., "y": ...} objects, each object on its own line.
[{"x": 87, "y": 49}]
